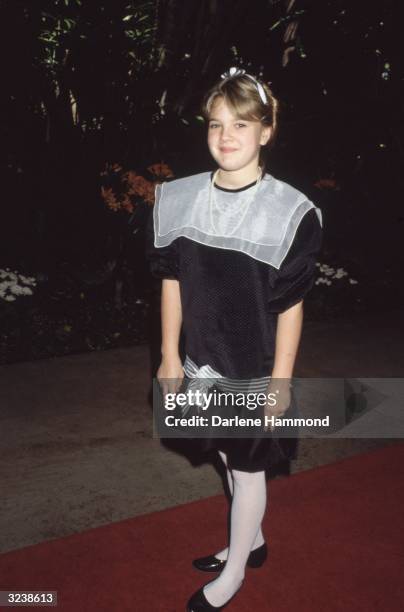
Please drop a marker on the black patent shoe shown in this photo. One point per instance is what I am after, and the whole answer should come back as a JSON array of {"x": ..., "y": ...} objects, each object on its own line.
[
  {"x": 211, "y": 563},
  {"x": 199, "y": 603}
]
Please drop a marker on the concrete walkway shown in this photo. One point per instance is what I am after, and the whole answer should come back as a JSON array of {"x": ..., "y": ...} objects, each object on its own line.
[{"x": 76, "y": 432}]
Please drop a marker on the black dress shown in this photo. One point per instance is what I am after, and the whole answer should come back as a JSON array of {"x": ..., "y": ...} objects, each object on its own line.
[{"x": 230, "y": 305}]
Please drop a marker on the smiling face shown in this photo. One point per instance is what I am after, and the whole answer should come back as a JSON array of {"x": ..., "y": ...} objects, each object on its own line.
[{"x": 235, "y": 143}]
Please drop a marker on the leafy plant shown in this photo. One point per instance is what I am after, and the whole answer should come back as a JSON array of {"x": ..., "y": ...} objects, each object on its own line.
[{"x": 123, "y": 189}]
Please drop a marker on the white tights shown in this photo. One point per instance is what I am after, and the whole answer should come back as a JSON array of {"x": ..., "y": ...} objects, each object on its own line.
[
  {"x": 249, "y": 497},
  {"x": 259, "y": 539}
]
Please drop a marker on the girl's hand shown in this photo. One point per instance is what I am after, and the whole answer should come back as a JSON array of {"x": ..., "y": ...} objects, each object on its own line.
[
  {"x": 280, "y": 388},
  {"x": 170, "y": 374}
]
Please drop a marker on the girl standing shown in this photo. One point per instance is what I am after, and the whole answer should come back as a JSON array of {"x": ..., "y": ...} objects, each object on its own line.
[{"x": 236, "y": 251}]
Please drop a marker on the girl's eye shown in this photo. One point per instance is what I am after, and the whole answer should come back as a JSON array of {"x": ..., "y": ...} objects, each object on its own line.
[
  {"x": 241, "y": 124},
  {"x": 213, "y": 125}
]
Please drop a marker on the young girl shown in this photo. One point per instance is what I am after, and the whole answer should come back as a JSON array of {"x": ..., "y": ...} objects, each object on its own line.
[{"x": 236, "y": 250}]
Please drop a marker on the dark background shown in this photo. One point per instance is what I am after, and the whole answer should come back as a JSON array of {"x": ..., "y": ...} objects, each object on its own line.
[{"x": 92, "y": 82}]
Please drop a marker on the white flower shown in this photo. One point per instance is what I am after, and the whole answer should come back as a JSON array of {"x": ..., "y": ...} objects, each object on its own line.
[
  {"x": 331, "y": 273},
  {"x": 326, "y": 269},
  {"x": 340, "y": 273},
  {"x": 14, "y": 284},
  {"x": 16, "y": 289},
  {"x": 28, "y": 280}
]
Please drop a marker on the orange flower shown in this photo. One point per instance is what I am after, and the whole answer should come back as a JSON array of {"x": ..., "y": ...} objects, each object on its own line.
[
  {"x": 161, "y": 170},
  {"x": 126, "y": 204},
  {"x": 138, "y": 185},
  {"x": 132, "y": 184},
  {"x": 149, "y": 195},
  {"x": 109, "y": 198},
  {"x": 327, "y": 183}
]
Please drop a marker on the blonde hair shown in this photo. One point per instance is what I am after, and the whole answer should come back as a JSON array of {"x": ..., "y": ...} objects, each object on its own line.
[{"x": 241, "y": 95}]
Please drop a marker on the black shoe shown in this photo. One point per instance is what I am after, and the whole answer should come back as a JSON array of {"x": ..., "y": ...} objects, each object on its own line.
[
  {"x": 199, "y": 603},
  {"x": 211, "y": 563}
]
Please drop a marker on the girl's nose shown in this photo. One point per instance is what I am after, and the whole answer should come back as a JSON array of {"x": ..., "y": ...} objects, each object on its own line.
[{"x": 226, "y": 133}]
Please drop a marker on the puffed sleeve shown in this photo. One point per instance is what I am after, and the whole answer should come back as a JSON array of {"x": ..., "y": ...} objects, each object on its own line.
[
  {"x": 296, "y": 275},
  {"x": 163, "y": 261}
]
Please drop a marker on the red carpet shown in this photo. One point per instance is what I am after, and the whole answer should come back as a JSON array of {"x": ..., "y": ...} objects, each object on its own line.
[{"x": 335, "y": 532}]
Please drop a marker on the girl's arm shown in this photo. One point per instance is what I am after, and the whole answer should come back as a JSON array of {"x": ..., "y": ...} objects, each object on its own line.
[
  {"x": 171, "y": 321},
  {"x": 288, "y": 332},
  {"x": 292, "y": 282}
]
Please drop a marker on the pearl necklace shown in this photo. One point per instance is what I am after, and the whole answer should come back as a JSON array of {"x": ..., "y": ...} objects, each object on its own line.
[{"x": 244, "y": 205}]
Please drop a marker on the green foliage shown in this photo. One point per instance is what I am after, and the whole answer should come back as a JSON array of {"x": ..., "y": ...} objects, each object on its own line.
[{"x": 83, "y": 52}]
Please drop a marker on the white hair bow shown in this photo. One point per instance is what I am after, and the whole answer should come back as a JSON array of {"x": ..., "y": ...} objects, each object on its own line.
[{"x": 235, "y": 72}]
